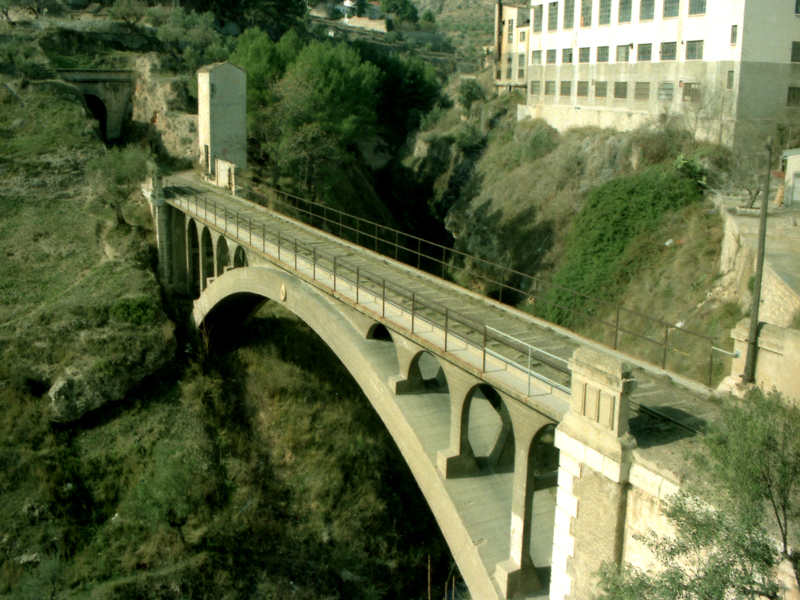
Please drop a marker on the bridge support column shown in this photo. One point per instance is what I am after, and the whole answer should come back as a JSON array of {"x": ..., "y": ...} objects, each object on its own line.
[
  {"x": 459, "y": 459},
  {"x": 594, "y": 465},
  {"x": 161, "y": 219},
  {"x": 517, "y": 575}
]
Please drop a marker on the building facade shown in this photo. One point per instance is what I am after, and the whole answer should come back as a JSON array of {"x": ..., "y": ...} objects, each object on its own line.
[
  {"x": 729, "y": 68},
  {"x": 222, "y": 115}
]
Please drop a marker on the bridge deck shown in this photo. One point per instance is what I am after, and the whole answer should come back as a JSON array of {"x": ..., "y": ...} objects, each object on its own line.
[{"x": 659, "y": 392}]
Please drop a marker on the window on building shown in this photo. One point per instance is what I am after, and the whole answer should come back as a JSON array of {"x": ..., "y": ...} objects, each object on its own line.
[
  {"x": 569, "y": 14},
  {"x": 551, "y": 56},
  {"x": 666, "y": 91},
  {"x": 510, "y": 30},
  {"x": 623, "y": 53},
  {"x": 566, "y": 88},
  {"x": 797, "y": 7},
  {"x": 586, "y": 13},
  {"x": 497, "y": 74},
  {"x": 521, "y": 73},
  {"x": 625, "y": 10},
  {"x": 647, "y": 10},
  {"x": 795, "y": 51},
  {"x": 521, "y": 36},
  {"x": 602, "y": 54},
  {"x": 793, "y": 99},
  {"x": 583, "y": 89},
  {"x": 691, "y": 92},
  {"x": 671, "y": 8},
  {"x": 601, "y": 89},
  {"x": 604, "y": 16},
  {"x": 549, "y": 88},
  {"x": 521, "y": 59},
  {"x": 697, "y": 7},
  {"x": 642, "y": 90},
  {"x": 735, "y": 33},
  {"x": 584, "y": 54},
  {"x": 669, "y": 50},
  {"x": 509, "y": 71},
  {"x": 536, "y": 57},
  {"x": 552, "y": 16},
  {"x": 536, "y": 88},
  {"x": 620, "y": 89},
  {"x": 694, "y": 50},
  {"x": 730, "y": 80},
  {"x": 537, "y": 18},
  {"x": 566, "y": 56},
  {"x": 644, "y": 53}
]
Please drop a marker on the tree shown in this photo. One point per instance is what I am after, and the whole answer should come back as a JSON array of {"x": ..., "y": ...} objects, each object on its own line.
[
  {"x": 117, "y": 174},
  {"x": 469, "y": 91},
  {"x": 428, "y": 16},
  {"x": 721, "y": 549},
  {"x": 361, "y": 7},
  {"x": 711, "y": 557},
  {"x": 755, "y": 453},
  {"x": 404, "y": 9},
  {"x": 331, "y": 86},
  {"x": 129, "y": 11}
]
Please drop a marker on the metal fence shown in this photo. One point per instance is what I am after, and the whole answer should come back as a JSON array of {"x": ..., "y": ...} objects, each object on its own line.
[
  {"x": 666, "y": 345},
  {"x": 475, "y": 342}
]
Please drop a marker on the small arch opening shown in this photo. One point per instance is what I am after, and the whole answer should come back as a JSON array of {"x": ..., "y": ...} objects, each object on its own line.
[
  {"x": 194, "y": 259},
  {"x": 426, "y": 367},
  {"x": 379, "y": 332},
  {"x": 223, "y": 256},
  {"x": 239, "y": 258},
  {"x": 489, "y": 429},
  {"x": 207, "y": 250}
]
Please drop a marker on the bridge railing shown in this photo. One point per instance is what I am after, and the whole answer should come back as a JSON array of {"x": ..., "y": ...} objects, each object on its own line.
[
  {"x": 667, "y": 345},
  {"x": 449, "y": 329}
]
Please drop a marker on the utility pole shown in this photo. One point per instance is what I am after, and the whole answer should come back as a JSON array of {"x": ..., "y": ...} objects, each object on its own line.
[{"x": 749, "y": 374}]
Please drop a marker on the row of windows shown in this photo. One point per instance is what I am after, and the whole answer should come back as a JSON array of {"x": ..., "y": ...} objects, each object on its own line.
[
  {"x": 647, "y": 12},
  {"x": 621, "y": 90},
  {"x": 644, "y": 53}
]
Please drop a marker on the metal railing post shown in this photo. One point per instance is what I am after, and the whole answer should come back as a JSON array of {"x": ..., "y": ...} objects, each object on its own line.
[
  {"x": 396, "y": 243},
  {"x": 358, "y": 277},
  {"x": 413, "y": 302},
  {"x": 574, "y": 303},
  {"x": 616, "y": 330},
  {"x": 376, "y": 237},
  {"x": 295, "y": 254},
  {"x": 419, "y": 251},
  {"x": 215, "y": 213},
  {"x": 334, "y": 273},
  {"x": 664, "y": 356},
  {"x": 314, "y": 263},
  {"x": 444, "y": 259},
  {"x": 263, "y": 237},
  {"x": 237, "y": 224},
  {"x": 446, "y": 324},
  {"x": 279, "y": 246},
  {"x": 250, "y": 230},
  {"x": 529, "y": 371},
  {"x": 483, "y": 369},
  {"x": 383, "y": 299},
  {"x": 205, "y": 208}
]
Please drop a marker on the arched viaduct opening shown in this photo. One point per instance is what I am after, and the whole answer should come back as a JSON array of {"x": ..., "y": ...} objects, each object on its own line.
[{"x": 489, "y": 431}]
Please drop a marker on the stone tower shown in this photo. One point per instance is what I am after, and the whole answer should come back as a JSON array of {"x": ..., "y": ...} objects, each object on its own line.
[{"x": 222, "y": 119}]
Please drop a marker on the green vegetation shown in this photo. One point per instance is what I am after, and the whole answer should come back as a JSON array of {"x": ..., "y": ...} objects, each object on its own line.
[
  {"x": 118, "y": 174},
  {"x": 600, "y": 257},
  {"x": 141, "y": 310},
  {"x": 470, "y": 91},
  {"x": 723, "y": 547}
]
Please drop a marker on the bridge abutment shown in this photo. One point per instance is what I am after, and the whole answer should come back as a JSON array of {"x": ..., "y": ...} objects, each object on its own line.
[{"x": 596, "y": 452}]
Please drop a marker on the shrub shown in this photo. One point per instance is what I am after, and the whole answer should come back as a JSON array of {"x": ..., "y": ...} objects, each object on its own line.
[
  {"x": 468, "y": 92},
  {"x": 140, "y": 310},
  {"x": 612, "y": 216}
]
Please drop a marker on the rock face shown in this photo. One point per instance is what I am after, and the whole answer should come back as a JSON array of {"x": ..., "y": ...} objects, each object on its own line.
[{"x": 132, "y": 356}]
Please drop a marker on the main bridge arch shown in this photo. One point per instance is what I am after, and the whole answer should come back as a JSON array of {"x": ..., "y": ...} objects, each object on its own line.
[{"x": 495, "y": 513}]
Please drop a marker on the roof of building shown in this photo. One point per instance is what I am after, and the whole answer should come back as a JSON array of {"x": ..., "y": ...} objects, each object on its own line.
[
  {"x": 791, "y": 152},
  {"x": 212, "y": 66}
]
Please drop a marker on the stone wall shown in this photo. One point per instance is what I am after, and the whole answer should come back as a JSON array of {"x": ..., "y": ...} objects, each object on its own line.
[{"x": 777, "y": 359}]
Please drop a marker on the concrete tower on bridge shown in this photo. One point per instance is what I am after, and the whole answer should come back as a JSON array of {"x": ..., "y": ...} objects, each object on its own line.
[{"x": 222, "y": 108}]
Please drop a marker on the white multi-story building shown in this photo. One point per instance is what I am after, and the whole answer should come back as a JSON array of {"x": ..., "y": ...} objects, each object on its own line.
[{"x": 729, "y": 68}]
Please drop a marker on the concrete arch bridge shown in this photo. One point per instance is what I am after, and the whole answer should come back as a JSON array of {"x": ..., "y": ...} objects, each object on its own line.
[{"x": 488, "y": 406}]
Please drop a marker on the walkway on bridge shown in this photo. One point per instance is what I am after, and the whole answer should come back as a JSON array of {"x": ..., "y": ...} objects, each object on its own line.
[{"x": 659, "y": 392}]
